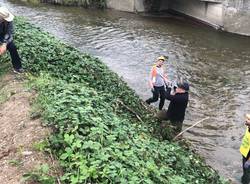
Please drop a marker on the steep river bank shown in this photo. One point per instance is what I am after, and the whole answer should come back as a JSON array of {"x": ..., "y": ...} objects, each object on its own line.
[{"x": 216, "y": 64}]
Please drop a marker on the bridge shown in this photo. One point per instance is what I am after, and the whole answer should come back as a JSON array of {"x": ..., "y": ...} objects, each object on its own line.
[{"x": 229, "y": 15}]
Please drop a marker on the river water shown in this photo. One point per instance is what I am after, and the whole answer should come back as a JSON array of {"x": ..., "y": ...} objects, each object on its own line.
[{"x": 216, "y": 64}]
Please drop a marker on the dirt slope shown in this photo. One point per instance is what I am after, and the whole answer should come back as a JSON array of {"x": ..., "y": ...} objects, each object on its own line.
[{"x": 18, "y": 132}]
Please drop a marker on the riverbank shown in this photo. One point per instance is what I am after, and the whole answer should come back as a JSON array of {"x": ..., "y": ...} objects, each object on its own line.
[
  {"x": 201, "y": 55},
  {"x": 97, "y": 137},
  {"x": 22, "y": 156}
]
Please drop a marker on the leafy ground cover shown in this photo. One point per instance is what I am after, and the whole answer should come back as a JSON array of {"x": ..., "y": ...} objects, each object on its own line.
[
  {"x": 103, "y": 133},
  {"x": 84, "y": 3},
  {"x": 4, "y": 65}
]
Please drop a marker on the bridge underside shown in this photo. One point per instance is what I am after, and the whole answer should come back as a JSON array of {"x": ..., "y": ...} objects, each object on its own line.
[
  {"x": 230, "y": 15},
  {"x": 210, "y": 11}
]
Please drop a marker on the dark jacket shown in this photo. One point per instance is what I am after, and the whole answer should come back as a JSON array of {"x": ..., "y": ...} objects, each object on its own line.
[
  {"x": 6, "y": 32},
  {"x": 177, "y": 107}
]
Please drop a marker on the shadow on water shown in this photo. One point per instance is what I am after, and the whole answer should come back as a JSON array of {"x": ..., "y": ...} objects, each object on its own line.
[{"x": 217, "y": 64}]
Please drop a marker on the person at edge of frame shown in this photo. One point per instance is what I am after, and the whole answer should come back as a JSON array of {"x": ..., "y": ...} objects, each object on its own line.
[
  {"x": 6, "y": 39},
  {"x": 157, "y": 82},
  {"x": 244, "y": 150}
]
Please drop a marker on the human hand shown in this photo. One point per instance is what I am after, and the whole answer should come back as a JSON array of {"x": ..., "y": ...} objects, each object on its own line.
[
  {"x": 247, "y": 164},
  {"x": 168, "y": 83},
  {"x": 2, "y": 49}
]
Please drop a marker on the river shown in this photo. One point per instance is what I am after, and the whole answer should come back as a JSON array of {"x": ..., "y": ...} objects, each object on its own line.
[{"x": 217, "y": 65}]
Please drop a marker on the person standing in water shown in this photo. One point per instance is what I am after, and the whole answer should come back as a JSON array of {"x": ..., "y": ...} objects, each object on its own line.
[
  {"x": 178, "y": 104},
  {"x": 245, "y": 151},
  {"x": 157, "y": 82}
]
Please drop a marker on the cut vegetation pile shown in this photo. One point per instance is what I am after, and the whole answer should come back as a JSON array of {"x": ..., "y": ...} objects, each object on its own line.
[{"x": 102, "y": 131}]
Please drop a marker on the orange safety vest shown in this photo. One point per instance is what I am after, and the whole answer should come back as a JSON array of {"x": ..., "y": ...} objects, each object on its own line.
[
  {"x": 245, "y": 145},
  {"x": 154, "y": 73}
]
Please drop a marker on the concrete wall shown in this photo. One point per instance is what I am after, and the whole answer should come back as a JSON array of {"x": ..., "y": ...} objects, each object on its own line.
[
  {"x": 133, "y": 5},
  {"x": 164, "y": 5},
  {"x": 230, "y": 15},
  {"x": 139, "y": 6},
  {"x": 126, "y": 5},
  {"x": 214, "y": 13},
  {"x": 209, "y": 12},
  {"x": 122, "y": 5}
]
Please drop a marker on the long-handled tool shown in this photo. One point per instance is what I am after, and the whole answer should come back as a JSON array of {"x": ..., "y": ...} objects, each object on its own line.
[{"x": 190, "y": 127}]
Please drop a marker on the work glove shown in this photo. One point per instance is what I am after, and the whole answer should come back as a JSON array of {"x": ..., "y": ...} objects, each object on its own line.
[{"x": 247, "y": 164}]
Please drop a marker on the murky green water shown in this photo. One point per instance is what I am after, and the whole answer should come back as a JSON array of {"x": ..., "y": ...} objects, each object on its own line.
[{"x": 216, "y": 64}]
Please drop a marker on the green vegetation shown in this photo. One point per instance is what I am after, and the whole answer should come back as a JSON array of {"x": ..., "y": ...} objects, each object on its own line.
[
  {"x": 97, "y": 138},
  {"x": 40, "y": 146},
  {"x": 3, "y": 96},
  {"x": 15, "y": 163},
  {"x": 34, "y": 2},
  {"x": 84, "y": 3},
  {"x": 5, "y": 65},
  {"x": 39, "y": 175}
]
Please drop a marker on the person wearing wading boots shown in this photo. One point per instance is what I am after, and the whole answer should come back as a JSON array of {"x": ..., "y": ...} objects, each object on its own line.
[
  {"x": 157, "y": 82},
  {"x": 245, "y": 151},
  {"x": 6, "y": 39},
  {"x": 178, "y": 104}
]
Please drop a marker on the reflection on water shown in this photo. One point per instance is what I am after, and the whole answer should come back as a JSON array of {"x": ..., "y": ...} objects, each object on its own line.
[{"x": 216, "y": 64}]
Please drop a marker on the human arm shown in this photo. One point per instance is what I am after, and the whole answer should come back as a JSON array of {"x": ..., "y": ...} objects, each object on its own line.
[
  {"x": 165, "y": 77},
  {"x": 152, "y": 78},
  {"x": 3, "y": 48},
  {"x": 177, "y": 96},
  {"x": 168, "y": 94},
  {"x": 8, "y": 36},
  {"x": 151, "y": 85}
]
